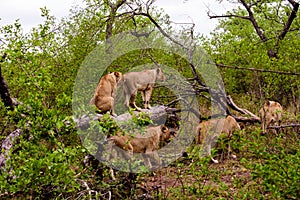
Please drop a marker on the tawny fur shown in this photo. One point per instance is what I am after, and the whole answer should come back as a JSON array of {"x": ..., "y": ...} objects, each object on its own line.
[
  {"x": 143, "y": 144},
  {"x": 140, "y": 81},
  {"x": 105, "y": 93},
  {"x": 146, "y": 144},
  {"x": 208, "y": 131},
  {"x": 270, "y": 113}
]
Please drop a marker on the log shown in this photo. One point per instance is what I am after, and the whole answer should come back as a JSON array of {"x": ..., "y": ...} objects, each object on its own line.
[
  {"x": 7, "y": 144},
  {"x": 157, "y": 114}
]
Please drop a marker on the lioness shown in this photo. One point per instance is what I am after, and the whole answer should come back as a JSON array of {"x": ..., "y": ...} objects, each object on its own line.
[
  {"x": 105, "y": 93},
  {"x": 147, "y": 144},
  {"x": 206, "y": 131},
  {"x": 270, "y": 113},
  {"x": 140, "y": 81}
]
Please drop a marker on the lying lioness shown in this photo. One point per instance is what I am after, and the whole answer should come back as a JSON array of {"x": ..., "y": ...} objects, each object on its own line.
[
  {"x": 140, "y": 81},
  {"x": 206, "y": 131},
  {"x": 146, "y": 144},
  {"x": 105, "y": 93},
  {"x": 143, "y": 144},
  {"x": 270, "y": 113}
]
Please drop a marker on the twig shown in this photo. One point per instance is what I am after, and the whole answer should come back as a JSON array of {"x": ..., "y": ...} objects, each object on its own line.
[{"x": 87, "y": 187}]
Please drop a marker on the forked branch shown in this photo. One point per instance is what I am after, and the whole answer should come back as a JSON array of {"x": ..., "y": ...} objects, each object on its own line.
[
  {"x": 272, "y": 52},
  {"x": 253, "y": 117}
]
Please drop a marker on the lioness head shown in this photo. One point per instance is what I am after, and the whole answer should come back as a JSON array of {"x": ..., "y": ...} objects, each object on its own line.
[
  {"x": 118, "y": 76},
  {"x": 270, "y": 113},
  {"x": 166, "y": 134},
  {"x": 160, "y": 75}
]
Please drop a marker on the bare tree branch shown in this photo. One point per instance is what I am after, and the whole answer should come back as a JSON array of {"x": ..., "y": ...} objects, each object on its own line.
[
  {"x": 160, "y": 29},
  {"x": 187, "y": 48},
  {"x": 257, "y": 70},
  {"x": 254, "y": 22},
  {"x": 111, "y": 19},
  {"x": 290, "y": 20},
  {"x": 272, "y": 53},
  {"x": 227, "y": 16},
  {"x": 284, "y": 126},
  {"x": 243, "y": 111}
]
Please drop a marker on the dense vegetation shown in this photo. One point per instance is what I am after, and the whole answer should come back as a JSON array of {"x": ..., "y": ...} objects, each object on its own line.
[{"x": 41, "y": 66}]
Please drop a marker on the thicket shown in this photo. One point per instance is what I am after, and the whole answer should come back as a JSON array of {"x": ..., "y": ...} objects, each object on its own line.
[{"x": 41, "y": 68}]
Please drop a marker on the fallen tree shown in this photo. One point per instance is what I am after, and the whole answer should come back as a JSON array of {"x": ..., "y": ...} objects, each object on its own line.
[
  {"x": 157, "y": 114},
  {"x": 7, "y": 144}
]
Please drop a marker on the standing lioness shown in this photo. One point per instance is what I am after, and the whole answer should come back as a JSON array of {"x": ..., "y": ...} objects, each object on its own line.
[
  {"x": 140, "y": 81},
  {"x": 105, "y": 94},
  {"x": 207, "y": 132},
  {"x": 270, "y": 113}
]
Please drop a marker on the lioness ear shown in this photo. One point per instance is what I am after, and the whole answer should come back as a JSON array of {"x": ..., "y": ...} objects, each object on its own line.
[
  {"x": 268, "y": 103},
  {"x": 118, "y": 75},
  {"x": 172, "y": 132},
  {"x": 158, "y": 70},
  {"x": 163, "y": 128}
]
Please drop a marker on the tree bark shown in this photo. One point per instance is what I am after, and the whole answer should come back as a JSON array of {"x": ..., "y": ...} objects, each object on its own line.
[
  {"x": 157, "y": 114},
  {"x": 253, "y": 118},
  {"x": 4, "y": 90}
]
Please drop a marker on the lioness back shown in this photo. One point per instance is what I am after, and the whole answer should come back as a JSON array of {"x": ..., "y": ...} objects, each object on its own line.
[
  {"x": 140, "y": 81},
  {"x": 207, "y": 131},
  {"x": 229, "y": 125}
]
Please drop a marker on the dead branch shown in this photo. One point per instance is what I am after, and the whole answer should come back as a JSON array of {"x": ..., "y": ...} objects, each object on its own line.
[
  {"x": 161, "y": 29},
  {"x": 241, "y": 110},
  {"x": 227, "y": 16},
  {"x": 157, "y": 113},
  {"x": 253, "y": 21},
  {"x": 246, "y": 119},
  {"x": 258, "y": 70},
  {"x": 7, "y": 144},
  {"x": 284, "y": 126},
  {"x": 88, "y": 189},
  {"x": 165, "y": 34}
]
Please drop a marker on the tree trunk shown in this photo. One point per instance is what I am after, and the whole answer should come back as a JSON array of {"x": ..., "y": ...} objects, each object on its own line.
[{"x": 4, "y": 90}]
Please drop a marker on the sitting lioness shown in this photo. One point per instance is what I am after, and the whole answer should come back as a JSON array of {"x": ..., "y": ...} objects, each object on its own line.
[
  {"x": 207, "y": 131},
  {"x": 140, "y": 81},
  {"x": 105, "y": 94},
  {"x": 270, "y": 113}
]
